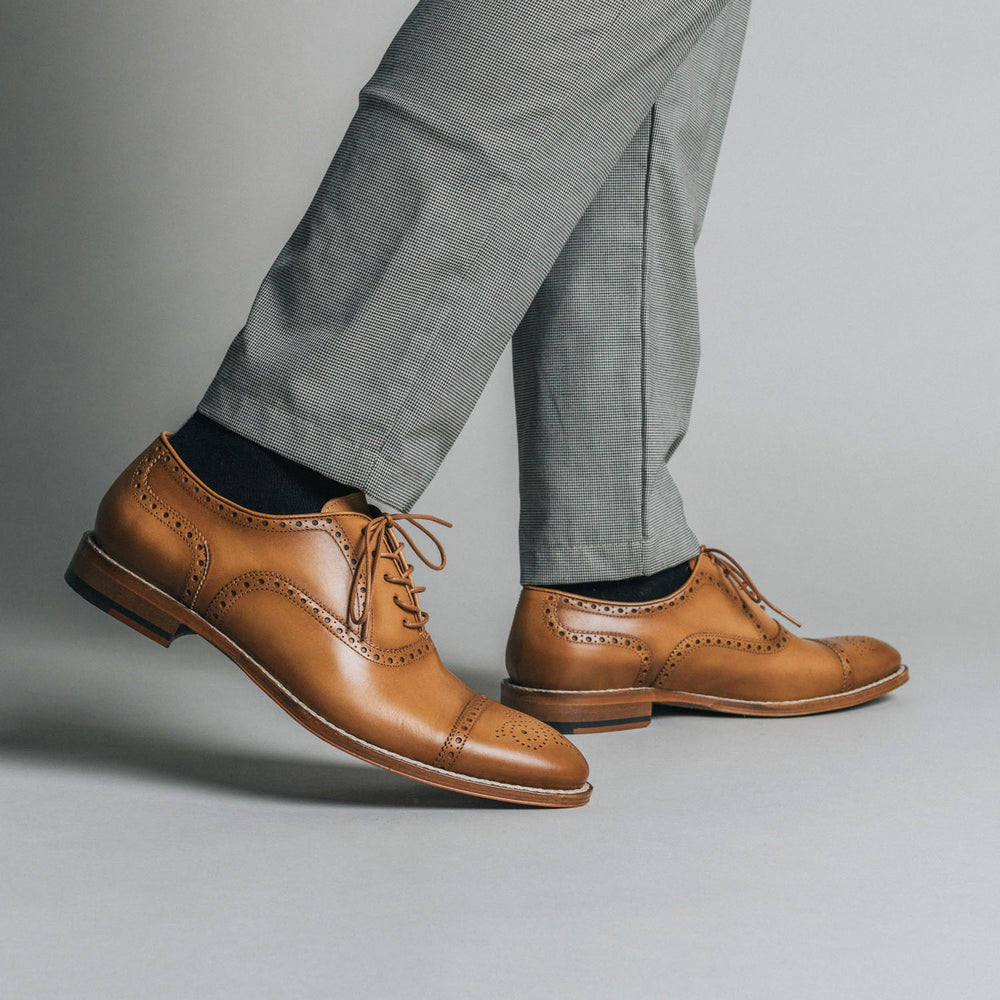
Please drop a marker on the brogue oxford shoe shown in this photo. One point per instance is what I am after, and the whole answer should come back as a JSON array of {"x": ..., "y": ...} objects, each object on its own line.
[
  {"x": 320, "y": 610},
  {"x": 591, "y": 666}
]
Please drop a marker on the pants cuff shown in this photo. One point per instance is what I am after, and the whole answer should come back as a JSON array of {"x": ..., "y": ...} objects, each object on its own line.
[
  {"x": 386, "y": 477},
  {"x": 552, "y": 565}
]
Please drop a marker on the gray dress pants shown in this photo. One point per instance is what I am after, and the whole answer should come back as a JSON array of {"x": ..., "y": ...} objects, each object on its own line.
[{"x": 533, "y": 170}]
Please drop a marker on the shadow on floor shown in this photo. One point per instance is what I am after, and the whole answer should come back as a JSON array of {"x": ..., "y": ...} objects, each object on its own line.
[{"x": 102, "y": 745}]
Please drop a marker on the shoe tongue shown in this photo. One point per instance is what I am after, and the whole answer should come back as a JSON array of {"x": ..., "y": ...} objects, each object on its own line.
[{"x": 355, "y": 503}]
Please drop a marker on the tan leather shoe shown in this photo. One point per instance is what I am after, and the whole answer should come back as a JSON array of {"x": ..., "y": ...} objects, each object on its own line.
[
  {"x": 589, "y": 666},
  {"x": 320, "y": 610}
]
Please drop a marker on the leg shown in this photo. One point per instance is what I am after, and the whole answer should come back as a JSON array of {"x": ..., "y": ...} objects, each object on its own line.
[
  {"x": 478, "y": 143},
  {"x": 366, "y": 348},
  {"x": 605, "y": 361},
  {"x": 606, "y": 356}
]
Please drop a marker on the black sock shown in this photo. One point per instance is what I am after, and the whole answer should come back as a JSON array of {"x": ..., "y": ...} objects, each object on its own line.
[
  {"x": 250, "y": 475},
  {"x": 635, "y": 588}
]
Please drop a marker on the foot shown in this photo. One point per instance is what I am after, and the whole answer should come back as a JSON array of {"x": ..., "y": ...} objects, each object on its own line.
[
  {"x": 321, "y": 612},
  {"x": 591, "y": 666}
]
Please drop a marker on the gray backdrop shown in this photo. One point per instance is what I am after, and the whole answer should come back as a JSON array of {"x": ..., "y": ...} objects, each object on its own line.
[{"x": 166, "y": 832}]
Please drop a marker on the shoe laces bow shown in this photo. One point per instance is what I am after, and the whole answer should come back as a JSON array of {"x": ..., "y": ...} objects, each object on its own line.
[
  {"x": 377, "y": 539},
  {"x": 740, "y": 578}
]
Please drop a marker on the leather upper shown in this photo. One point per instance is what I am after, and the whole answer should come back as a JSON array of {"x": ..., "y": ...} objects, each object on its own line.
[
  {"x": 711, "y": 637},
  {"x": 330, "y": 610}
]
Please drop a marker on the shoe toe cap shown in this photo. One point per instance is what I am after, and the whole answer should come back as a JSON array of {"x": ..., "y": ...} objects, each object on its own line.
[
  {"x": 869, "y": 660},
  {"x": 514, "y": 748}
]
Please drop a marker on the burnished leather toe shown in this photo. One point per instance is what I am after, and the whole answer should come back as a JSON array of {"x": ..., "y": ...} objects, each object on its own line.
[
  {"x": 507, "y": 745},
  {"x": 865, "y": 660}
]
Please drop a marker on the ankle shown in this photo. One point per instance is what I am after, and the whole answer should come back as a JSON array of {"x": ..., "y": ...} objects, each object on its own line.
[
  {"x": 250, "y": 475},
  {"x": 635, "y": 588}
]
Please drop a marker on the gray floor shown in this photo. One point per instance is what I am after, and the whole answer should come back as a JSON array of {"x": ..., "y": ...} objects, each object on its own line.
[{"x": 168, "y": 832}]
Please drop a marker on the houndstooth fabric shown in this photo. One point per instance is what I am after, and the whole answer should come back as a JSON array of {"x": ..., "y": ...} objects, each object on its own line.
[
  {"x": 535, "y": 170},
  {"x": 606, "y": 357}
]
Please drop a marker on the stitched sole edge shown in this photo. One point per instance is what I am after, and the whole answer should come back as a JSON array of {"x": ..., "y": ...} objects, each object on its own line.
[{"x": 588, "y": 711}]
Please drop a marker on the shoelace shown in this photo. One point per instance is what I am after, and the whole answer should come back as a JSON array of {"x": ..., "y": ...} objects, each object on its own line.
[
  {"x": 741, "y": 578},
  {"x": 376, "y": 539}
]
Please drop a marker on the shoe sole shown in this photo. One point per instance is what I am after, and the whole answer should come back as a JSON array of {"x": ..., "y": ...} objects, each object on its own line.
[
  {"x": 632, "y": 708},
  {"x": 136, "y": 602}
]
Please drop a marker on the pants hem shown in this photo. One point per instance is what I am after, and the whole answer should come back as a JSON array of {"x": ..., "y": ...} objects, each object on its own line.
[
  {"x": 554, "y": 565},
  {"x": 387, "y": 478}
]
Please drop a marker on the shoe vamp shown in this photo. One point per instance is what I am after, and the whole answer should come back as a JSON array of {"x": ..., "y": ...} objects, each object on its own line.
[
  {"x": 401, "y": 699},
  {"x": 783, "y": 669}
]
